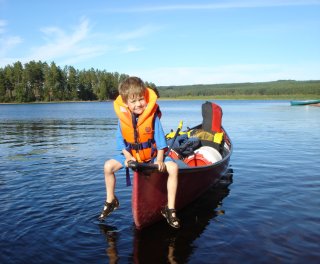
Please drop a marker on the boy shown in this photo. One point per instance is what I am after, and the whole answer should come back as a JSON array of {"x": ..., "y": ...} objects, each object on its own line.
[{"x": 140, "y": 137}]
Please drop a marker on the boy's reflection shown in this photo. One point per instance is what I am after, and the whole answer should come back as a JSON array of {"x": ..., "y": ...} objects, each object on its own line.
[
  {"x": 111, "y": 237},
  {"x": 160, "y": 244}
]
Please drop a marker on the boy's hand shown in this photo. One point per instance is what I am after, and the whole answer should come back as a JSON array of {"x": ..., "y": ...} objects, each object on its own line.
[
  {"x": 161, "y": 165},
  {"x": 159, "y": 161},
  {"x": 129, "y": 159}
]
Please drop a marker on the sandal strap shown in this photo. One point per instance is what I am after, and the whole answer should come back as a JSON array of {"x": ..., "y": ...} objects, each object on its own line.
[
  {"x": 167, "y": 213},
  {"x": 108, "y": 208},
  {"x": 171, "y": 211},
  {"x": 174, "y": 219}
]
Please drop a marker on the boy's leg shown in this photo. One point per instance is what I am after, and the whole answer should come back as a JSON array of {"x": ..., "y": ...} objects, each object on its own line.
[
  {"x": 111, "y": 203},
  {"x": 172, "y": 183},
  {"x": 169, "y": 211},
  {"x": 110, "y": 167}
]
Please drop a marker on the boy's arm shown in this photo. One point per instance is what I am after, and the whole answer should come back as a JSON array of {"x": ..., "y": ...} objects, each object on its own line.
[
  {"x": 160, "y": 155},
  {"x": 159, "y": 135},
  {"x": 161, "y": 143},
  {"x": 128, "y": 156},
  {"x": 119, "y": 138}
]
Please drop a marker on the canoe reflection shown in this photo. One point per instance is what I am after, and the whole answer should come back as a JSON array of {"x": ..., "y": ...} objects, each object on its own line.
[{"x": 161, "y": 244}]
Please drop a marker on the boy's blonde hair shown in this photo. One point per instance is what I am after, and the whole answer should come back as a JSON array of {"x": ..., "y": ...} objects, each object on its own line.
[{"x": 131, "y": 87}]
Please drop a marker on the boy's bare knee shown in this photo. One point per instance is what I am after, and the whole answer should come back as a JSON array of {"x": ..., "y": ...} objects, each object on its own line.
[
  {"x": 106, "y": 166},
  {"x": 172, "y": 167},
  {"x": 110, "y": 166}
]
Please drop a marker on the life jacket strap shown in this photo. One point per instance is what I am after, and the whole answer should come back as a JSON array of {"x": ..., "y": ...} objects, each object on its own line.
[
  {"x": 128, "y": 180},
  {"x": 140, "y": 146}
]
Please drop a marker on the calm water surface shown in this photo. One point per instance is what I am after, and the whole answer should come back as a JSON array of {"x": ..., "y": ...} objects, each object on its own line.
[{"x": 52, "y": 188}]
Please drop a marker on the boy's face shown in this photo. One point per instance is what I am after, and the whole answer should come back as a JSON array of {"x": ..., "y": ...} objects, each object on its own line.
[{"x": 137, "y": 104}]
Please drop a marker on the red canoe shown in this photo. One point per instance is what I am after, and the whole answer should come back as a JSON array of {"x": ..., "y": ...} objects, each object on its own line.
[{"x": 149, "y": 194}]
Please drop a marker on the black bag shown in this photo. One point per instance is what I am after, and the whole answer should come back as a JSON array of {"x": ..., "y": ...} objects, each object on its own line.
[
  {"x": 188, "y": 147},
  {"x": 181, "y": 139}
]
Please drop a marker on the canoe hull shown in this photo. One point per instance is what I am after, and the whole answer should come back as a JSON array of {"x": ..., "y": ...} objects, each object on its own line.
[
  {"x": 305, "y": 102},
  {"x": 149, "y": 193}
]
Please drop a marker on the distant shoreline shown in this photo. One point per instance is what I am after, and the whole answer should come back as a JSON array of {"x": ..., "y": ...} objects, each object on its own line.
[
  {"x": 254, "y": 97},
  {"x": 53, "y": 102}
]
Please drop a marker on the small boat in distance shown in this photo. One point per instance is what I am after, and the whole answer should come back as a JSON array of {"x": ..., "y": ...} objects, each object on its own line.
[{"x": 304, "y": 102}]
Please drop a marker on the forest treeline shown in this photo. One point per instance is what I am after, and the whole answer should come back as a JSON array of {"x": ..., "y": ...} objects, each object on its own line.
[
  {"x": 41, "y": 82},
  {"x": 288, "y": 88}
]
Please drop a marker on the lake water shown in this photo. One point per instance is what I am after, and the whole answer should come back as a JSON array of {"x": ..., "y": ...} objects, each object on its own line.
[{"x": 52, "y": 188}]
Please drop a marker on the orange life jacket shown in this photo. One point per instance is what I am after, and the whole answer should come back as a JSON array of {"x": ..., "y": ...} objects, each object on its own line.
[{"x": 139, "y": 135}]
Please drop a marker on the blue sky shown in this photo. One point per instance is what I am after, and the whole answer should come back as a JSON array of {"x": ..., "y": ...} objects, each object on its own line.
[{"x": 168, "y": 42}]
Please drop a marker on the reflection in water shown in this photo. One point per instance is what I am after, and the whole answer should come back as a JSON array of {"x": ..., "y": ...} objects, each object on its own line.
[
  {"x": 161, "y": 244},
  {"x": 26, "y": 140},
  {"x": 111, "y": 237},
  {"x": 20, "y": 131}
]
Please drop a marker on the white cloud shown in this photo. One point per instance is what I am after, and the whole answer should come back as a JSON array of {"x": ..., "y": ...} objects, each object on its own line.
[
  {"x": 137, "y": 33},
  {"x": 7, "y": 42},
  {"x": 60, "y": 45},
  {"x": 219, "y": 5},
  {"x": 69, "y": 46},
  {"x": 131, "y": 48},
  {"x": 229, "y": 74},
  {"x": 3, "y": 25}
]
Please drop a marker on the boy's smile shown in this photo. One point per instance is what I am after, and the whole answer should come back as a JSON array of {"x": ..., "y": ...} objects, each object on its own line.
[{"x": 137, "y": 104}]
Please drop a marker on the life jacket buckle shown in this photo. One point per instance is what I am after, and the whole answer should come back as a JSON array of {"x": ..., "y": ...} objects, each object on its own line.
[{"x": 136, "y": 146}]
